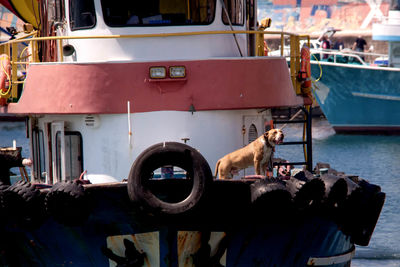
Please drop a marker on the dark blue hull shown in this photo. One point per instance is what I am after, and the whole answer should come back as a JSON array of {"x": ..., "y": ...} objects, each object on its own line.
[{"x": 229, "y": 228}]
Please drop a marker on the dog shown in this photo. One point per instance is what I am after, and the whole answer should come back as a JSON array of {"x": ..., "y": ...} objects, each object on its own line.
[{"x": 257, "y": 153}]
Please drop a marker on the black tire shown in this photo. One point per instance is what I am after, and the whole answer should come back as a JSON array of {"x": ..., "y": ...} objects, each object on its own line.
[
  {"x": 336, "y": 190},
  {"x": 362, "y": 210},
  {"x": 175, "y": 154},
  {"x": 68, "y": 203},
  {"x": 310, "y": 195},
  {"x": 22, "y": 203},
  {"x": 271, "y": 200}
]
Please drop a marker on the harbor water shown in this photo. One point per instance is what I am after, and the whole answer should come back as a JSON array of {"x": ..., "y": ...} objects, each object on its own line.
[{"x": 374, "y": 158}]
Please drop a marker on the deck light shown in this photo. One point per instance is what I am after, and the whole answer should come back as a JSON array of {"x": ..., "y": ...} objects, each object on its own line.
[
  {"x": 158, "y": 72},
  {"x": 177, "y": 72}
]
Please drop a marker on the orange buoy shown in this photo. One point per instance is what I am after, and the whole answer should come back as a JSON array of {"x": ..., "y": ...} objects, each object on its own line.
[{"x": 305, "y": 71}]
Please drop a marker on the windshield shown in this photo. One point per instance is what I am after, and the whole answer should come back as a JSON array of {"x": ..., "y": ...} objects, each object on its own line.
[{"x": 118, "y": 13}]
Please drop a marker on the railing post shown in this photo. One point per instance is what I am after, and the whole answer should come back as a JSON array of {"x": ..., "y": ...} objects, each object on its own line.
[
  {"x": 14, "y": 71},
  {"x": 60, "y": 50},
  {"x": 295, "y": 62},
  {"x": 260, "y": 43},
  {"x": 309, "y": 138}
]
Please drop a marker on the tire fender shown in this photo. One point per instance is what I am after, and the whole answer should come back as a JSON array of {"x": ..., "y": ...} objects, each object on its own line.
[{"x": 175, "y": 154}]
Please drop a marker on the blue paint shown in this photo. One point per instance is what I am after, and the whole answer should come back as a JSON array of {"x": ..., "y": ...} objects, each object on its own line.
[{"x": 358, "y": 96}]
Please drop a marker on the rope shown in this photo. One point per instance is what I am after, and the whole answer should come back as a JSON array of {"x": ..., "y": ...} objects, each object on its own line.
[
  {"x": 21, "y": 58},
  {"x": 8, "y": 77},
  {"x": 292, "y": 118},
  {"x": 320, "y": 69},
  {"x": 304, "y": 129}
]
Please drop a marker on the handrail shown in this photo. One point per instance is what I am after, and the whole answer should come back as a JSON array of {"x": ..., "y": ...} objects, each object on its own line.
[
  {"x": 148, "y": 35},
  {"x": 347, "y": 53},
  {"x": 11, "y": 47}
]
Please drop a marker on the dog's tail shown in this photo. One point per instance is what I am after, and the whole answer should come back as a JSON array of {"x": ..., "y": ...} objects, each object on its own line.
[{"x": 216, "y": 168}]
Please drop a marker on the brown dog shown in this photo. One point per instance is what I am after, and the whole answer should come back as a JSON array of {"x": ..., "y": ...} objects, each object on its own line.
[{"x": 257, "y": 153}]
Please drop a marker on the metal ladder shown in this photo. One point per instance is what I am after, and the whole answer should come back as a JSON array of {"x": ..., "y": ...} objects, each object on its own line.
[{"x": 307, "y": 142}]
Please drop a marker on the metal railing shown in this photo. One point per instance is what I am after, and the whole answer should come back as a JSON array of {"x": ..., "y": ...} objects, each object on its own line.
[{"x": 335, "y": 56}]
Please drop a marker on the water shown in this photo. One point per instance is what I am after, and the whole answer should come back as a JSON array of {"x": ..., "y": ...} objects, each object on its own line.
[{"x": 374, "y": 158}]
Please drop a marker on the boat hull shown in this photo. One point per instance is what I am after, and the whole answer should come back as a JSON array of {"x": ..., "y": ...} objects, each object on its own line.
[
  {"x": 274, "y": 237},
  {"x": 245, "y": 222},
  {"x": 357, "y": 99}
]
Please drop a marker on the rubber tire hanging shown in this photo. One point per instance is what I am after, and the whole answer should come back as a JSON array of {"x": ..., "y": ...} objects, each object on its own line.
[{"x": 162, "y": 154}]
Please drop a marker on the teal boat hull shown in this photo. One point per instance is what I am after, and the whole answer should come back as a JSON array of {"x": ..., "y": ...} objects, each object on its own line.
[{"x": 359, "y": 99}]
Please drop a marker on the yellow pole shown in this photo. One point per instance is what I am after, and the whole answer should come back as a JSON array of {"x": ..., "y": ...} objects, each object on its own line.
[{"x": 14, "y": 69}]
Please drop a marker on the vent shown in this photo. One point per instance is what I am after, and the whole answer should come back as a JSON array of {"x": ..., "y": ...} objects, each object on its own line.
[
  {"x": 253, "y": 134},
  {"x": 92, "y": 121}
]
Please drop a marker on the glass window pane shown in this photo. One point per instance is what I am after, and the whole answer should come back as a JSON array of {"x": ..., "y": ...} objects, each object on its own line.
[
  {"x": 72, "y": 154},
  {"x": 58, "y": 169},
  {"x": 118, "y": 13},
  {"x": 235, "y": 12},
  {"x": 42, "y": 157},
  {"x": 82, "y": 14},
  {"x": 38, "y": 153}
]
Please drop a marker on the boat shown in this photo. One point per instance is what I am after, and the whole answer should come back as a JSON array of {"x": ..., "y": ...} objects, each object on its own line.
[
  {"x": 357, "y": 96},
  {"x": 127, "y": 105}
]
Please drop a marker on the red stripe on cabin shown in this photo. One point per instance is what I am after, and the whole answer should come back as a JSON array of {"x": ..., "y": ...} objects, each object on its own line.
[{"x": 101, "y": 88}]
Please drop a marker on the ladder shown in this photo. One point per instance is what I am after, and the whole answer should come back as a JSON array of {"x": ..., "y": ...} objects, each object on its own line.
[{"x": 307, "y": 138}]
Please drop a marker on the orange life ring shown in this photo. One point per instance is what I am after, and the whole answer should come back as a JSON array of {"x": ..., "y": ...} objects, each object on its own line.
[
  {"x": 305, "y": 67},
  {"x": 5, "y": 73},
  {"x": 305, "y": 71}
]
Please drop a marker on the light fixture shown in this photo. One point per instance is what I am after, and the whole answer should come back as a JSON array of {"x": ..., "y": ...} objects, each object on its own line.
[
  {"x": 158, "y": 72},
  {"x": 68, "y": 50},
  {"x": 177, "y": 72}
]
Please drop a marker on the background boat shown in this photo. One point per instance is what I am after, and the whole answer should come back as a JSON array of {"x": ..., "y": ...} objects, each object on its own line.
[{"x": 360, "y": 92}]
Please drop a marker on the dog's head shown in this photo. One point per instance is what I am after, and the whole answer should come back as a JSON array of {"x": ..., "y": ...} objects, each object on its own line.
[{"x": 274, "y": 136}]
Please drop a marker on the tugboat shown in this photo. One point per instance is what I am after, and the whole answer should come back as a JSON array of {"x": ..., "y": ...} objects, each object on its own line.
[{"x": 127, "y": 106}]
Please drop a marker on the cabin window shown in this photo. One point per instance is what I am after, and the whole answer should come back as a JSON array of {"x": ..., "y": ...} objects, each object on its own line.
[
  {"x": 72, "y": 154},
  {"x": 82, "y": 14},
  {"x": 235, "y": 11},
  {"x": 39, "y": 163},
  {"x": 158, "y": 12}
]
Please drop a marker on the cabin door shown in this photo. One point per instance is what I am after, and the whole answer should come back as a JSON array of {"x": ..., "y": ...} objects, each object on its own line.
[{"x": 58, "y": 151}]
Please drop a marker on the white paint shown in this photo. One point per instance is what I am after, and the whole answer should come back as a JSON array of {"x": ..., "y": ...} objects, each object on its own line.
[
  {"x": 129, "y": 125},
  {"x": 327, "y": 261},
  {"x": 99, "y": 178},
  {"x": 375, "y": 12},
  {"x": 155, "y": 48},
  {"x": 105, "y": 153},
  {"x": 376, "y": 96},
  {"x": 148, "y": 243}
]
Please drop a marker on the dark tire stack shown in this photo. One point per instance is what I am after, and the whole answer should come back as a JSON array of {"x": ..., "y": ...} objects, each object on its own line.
[
  {"x": 22, "y": 203},
  {"x": 68, "y": 203}
]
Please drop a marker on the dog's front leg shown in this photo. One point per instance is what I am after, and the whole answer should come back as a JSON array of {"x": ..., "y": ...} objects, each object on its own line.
[{"x": 257, "y": 166}]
